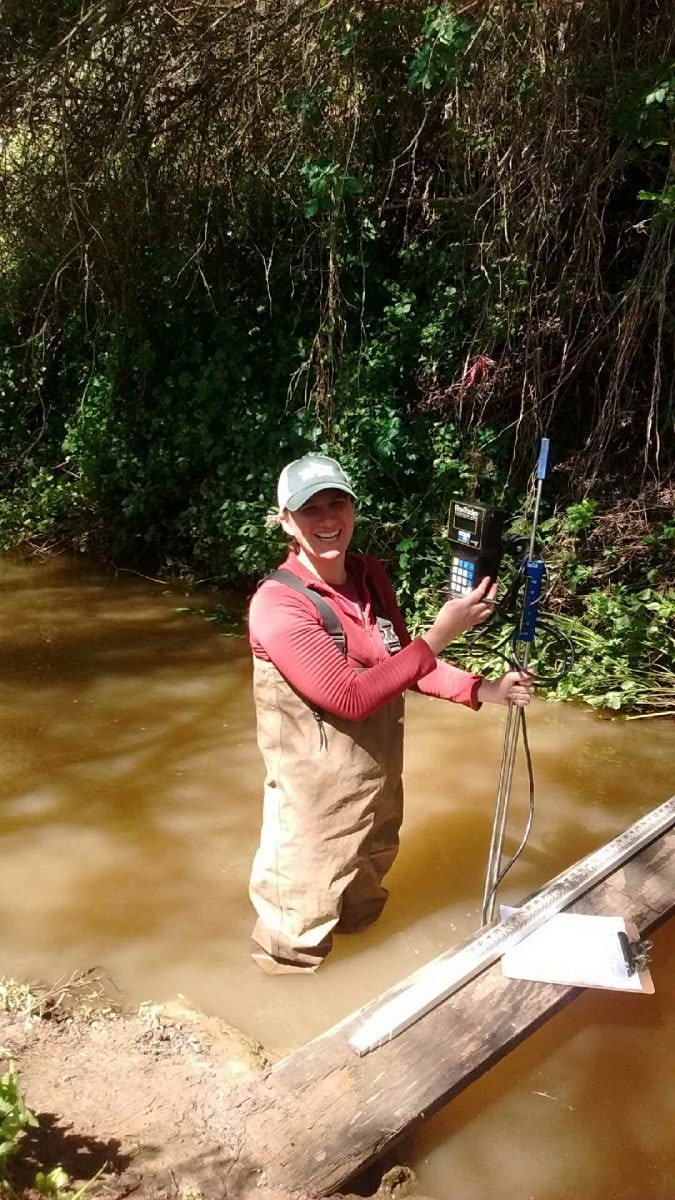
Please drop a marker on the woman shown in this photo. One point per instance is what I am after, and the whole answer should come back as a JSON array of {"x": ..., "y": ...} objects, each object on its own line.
[{"x": 332, "y": 659}]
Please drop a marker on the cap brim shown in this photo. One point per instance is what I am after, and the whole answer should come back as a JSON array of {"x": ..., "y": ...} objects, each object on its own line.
[{"x": 301, "y": 497}]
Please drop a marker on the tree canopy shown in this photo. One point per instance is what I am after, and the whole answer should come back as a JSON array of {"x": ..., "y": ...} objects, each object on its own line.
[{"x": 418, "y": 235}]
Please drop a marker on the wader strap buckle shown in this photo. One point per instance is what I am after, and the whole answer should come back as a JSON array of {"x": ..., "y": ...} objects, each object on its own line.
[{"x": 392, "y": 643}]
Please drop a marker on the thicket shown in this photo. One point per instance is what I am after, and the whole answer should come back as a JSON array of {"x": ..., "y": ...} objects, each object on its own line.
[{"x": 417, "y": 236}]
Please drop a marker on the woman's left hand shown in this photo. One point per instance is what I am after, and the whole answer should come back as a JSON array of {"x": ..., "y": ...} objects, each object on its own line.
[{"x": 515, "y": 687}]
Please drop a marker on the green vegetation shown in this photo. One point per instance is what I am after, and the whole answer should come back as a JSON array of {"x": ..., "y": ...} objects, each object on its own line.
[
  {"x": 418, "y": 236},
  {"x": 15, "y": 1116}
]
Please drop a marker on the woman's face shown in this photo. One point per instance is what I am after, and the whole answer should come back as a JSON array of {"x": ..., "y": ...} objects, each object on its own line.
[{"x": 323, "y": 527}]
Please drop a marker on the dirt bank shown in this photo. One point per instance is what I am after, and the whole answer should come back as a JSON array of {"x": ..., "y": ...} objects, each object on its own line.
[{"x": 147, "y": 1097}]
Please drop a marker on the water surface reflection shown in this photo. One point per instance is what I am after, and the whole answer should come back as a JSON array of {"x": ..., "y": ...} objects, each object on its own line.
[{"x": 130, "y": 785}]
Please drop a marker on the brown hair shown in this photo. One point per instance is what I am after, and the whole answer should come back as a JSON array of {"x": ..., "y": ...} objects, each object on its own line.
[{"x": 275, "y": 518}]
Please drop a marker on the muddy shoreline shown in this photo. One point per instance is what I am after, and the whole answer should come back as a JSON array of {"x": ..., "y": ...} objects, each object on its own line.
[{"x": 149, "y": 1099}]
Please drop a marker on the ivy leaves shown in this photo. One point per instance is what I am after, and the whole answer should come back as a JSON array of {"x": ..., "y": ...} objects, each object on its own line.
[
  {"x": 329, "y": 186},
  {"x": 439, "y": 57}
]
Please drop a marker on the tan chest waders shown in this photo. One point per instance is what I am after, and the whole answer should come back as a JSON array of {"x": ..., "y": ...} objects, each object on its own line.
[{"x": 332, "y": 811}]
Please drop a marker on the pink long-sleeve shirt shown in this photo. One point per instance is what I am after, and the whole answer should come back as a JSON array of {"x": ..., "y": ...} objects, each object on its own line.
[{"x": 285, "y": 628}]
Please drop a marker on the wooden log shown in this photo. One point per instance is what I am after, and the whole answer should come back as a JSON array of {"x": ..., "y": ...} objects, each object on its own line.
[{"x": 322, "y": 1114}]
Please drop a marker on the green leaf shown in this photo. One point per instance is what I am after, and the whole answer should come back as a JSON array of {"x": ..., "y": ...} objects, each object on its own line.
[
  {"x": 657, "y": 96},
  {"x": 352, "y": 186}
]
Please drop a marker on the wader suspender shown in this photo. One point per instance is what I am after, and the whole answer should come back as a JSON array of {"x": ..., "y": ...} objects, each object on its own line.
[
  {"x": 333, "y": 626},
  {"x": 329, "y": 618}
]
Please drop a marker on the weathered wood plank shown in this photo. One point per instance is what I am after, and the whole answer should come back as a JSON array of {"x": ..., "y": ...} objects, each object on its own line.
[
  {"x": 323, "y": 1113},
  {"x": 449, "y": 972}
]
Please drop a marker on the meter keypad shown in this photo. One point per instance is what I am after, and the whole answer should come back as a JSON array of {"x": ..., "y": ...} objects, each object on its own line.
[
  {"x": 475, "y": 531},
  {"x": 462, "y": 575}
]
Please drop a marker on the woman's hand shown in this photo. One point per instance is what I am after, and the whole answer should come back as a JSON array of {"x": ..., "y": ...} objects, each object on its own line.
[
  {"x": 515, "y": 688},
  {"x": 460, "y": 614}
]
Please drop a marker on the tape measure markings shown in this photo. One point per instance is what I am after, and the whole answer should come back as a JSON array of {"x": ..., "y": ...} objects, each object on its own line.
[{"x": 440, "y": 978}]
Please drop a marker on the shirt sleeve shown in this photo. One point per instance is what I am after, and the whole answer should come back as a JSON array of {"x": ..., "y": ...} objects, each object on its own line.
[
  {"x": 445, "y": 681},
  {"x": 289, "y": 629}
]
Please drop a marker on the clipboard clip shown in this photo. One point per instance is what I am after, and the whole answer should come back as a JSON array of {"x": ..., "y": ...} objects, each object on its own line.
[{"x": 635, "y": 954}]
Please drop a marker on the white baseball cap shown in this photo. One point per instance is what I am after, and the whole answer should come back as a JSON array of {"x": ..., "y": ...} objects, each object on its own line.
[{"x": 305, "y": 476}]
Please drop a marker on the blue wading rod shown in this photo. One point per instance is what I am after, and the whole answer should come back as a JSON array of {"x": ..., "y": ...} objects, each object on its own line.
[{"x": 533, "y": 569}]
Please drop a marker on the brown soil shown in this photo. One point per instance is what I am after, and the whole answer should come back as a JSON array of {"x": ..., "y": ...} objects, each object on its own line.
[{"x": 145, "y": 1097}]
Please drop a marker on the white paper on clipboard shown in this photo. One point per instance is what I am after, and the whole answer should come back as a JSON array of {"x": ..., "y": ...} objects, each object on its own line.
[{"x": 578, "y": 949}]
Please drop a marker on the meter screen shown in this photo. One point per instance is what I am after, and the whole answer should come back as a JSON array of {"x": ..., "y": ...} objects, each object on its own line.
[{"x": 465, "y": 523}]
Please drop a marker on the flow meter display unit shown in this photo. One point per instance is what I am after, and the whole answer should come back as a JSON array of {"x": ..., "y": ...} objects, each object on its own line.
[{"x": 475, "y": 531}]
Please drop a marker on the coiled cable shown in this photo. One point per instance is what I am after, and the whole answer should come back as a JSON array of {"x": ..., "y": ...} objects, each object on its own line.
[{"x": 559, "y": 645}]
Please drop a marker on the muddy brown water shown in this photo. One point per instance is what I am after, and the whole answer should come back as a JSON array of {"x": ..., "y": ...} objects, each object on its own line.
[{"x": 131, "y": 795}]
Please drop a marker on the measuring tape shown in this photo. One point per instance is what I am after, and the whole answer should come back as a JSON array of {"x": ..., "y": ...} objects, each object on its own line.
[{"x": 441, "y": 978}]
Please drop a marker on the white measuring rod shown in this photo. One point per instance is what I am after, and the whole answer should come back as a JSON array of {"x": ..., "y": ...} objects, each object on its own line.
[{"x": 444, "y": 976}]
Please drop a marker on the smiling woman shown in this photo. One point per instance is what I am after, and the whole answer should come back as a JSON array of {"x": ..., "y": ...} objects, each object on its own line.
[
  {"x": 332, "y": 660},
  {"x": 323, "y": 529}
]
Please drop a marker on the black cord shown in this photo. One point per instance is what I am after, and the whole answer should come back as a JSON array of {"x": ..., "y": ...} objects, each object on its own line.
[
  {"x": 528, "y": 824},
  {"x": 566, "y": 652},
  {"x": 507, "y": 611},
  {"x": 558, "y": 637}
]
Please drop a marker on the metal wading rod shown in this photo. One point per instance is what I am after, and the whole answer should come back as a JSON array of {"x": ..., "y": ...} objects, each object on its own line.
[
  {"x": 512, "y": 729},
  {"x": 511, "y": 733}
]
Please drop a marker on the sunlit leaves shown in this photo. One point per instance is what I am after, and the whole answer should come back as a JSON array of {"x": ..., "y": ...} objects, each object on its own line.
[
  {"x": 439, "y": 57},
  {"x": 329, "y": 185}
]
